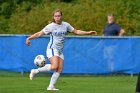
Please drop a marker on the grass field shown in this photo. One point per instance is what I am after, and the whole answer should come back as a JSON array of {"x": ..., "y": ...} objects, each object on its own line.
[{"x": 71, "y": 84}]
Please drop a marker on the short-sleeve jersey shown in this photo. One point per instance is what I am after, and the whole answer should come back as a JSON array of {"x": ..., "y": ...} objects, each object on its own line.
[
  {"x": 112, "y": 29},
  {"x": 57, "y": 34}
]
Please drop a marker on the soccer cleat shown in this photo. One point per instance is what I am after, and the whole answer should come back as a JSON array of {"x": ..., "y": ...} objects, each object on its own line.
[
  {"x": 32, "y": 74},
  {"x": 53, "y": 88}
]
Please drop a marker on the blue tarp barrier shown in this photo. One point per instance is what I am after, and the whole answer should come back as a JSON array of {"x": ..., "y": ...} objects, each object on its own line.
[{"x": 83, "y": 55}]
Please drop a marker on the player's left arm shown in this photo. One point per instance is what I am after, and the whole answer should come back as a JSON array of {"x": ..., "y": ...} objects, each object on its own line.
[
  {"x": 122, "y": 32},
  {"x": 80, "y": 32}
]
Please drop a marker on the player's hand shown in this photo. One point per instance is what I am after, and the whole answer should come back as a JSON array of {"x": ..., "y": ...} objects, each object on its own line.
[
  {"x": 28, "y": 42},
  {"x": 93, "y": 32}
]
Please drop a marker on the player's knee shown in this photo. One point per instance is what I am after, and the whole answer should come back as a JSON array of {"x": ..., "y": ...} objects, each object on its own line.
[
  {"x": 54, "y": 67},
  {"x": 59, "y": 70}
]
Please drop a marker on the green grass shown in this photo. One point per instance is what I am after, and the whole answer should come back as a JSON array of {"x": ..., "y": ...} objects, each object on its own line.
[{"x": 83, "y": 84}]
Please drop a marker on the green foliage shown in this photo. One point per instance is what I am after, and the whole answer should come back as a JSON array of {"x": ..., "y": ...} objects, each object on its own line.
[
  {"x": 6, "y": 9},
  {"x": 3, "y": 26},
  {"x": 30, "y": 16}
]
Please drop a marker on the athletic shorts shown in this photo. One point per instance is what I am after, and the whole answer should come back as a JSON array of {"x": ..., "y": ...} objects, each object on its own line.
[{"x": 54, "y": 52}]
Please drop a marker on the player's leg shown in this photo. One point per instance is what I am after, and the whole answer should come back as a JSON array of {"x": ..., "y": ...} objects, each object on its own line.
[
  {"x": 46, "y": 68},
  {"x": 60, "y": 65},
  {"x": 56, "y": 74}
]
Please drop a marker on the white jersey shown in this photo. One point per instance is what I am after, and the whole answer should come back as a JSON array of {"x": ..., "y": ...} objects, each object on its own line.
[{"x": 57, "y": 34}]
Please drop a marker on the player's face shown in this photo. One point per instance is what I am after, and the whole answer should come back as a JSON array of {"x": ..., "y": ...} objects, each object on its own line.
[
  {"x": 110, "y": 19},
  {"x": 57, "y": 17}
]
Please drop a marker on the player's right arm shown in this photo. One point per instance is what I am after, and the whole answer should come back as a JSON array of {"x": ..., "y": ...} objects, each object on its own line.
[{"x": 36, "y": 35}]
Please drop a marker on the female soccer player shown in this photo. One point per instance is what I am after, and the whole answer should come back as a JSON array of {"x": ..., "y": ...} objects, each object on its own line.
[{"x": 57, "y": 30}]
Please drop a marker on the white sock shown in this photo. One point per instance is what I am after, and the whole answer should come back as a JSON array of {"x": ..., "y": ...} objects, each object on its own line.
[
  {"x": 46, "y": 68},
  {"x": 54, "y": 78}
]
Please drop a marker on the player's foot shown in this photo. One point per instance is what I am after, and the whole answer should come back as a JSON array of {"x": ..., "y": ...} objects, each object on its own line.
[
  {"x": 32, "y": 74},
  {"x": 52, "y": 88}
]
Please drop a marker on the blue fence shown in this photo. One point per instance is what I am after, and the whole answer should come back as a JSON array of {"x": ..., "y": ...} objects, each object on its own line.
[{"x": 87, "y": 55}]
